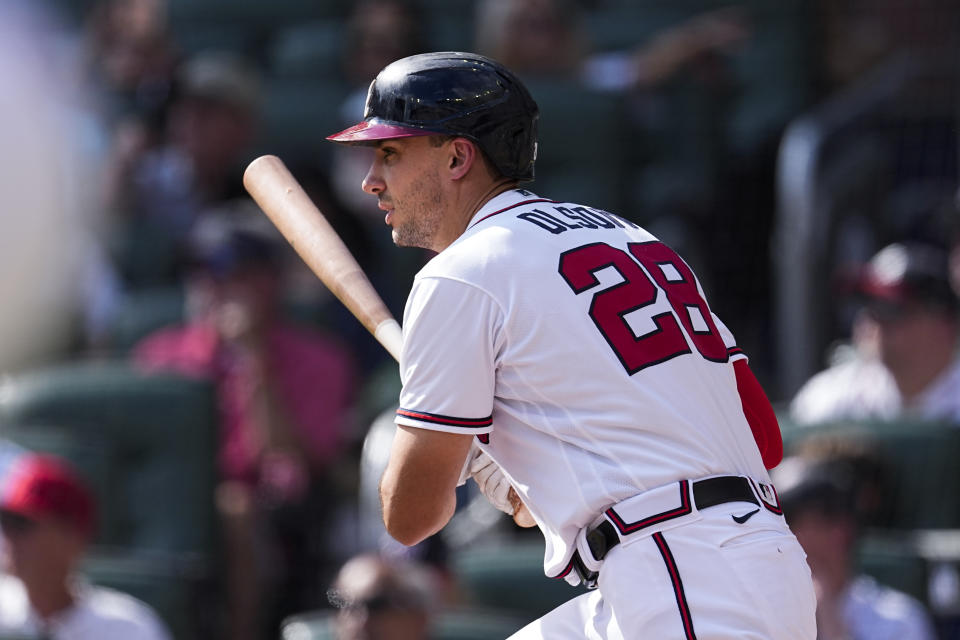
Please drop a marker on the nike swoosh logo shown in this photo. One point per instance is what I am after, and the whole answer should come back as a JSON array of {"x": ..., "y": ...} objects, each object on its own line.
[{"x": 744, "y": 517}]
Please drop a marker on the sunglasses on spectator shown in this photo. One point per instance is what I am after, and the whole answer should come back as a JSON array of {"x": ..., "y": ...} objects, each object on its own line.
[
  {"x": 14, "y": 524},
  {"x": 378, "y": 603}
]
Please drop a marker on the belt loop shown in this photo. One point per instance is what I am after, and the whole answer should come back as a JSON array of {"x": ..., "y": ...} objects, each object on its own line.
[
  {"x": 767, "y": 495},
  {"x": 691, "y": 496},
  {"x": 587, "y": 577}
]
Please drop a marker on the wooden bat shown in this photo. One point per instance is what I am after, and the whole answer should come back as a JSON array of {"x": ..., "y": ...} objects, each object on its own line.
[{"x": 292, "y": 211}]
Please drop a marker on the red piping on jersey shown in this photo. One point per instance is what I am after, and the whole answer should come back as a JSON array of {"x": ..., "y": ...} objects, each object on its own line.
[
  {"x": 760, "y": 416},
  {"x": 446, "y": 420},
  {"x": 632, "y": 527},
  {"x": 519, "y": 204}
]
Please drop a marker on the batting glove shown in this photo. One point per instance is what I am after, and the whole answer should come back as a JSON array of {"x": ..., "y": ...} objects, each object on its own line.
[{"x": 493, "y": 484}]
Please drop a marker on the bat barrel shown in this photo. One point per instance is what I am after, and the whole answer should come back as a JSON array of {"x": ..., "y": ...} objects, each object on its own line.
[{"x": 291, "y": 210}]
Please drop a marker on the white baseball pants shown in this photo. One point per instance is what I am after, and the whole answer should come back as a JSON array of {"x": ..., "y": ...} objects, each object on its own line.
[{"x": 710, "y": 579}]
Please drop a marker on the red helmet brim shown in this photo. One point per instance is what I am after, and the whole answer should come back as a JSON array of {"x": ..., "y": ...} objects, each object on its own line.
[{"x": 373, "y": 130}]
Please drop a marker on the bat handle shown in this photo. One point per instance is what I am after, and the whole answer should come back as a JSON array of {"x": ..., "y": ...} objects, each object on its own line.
[{"x": 389, "y": 334}]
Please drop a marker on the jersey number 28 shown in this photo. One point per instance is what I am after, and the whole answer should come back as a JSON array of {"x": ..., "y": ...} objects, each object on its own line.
[{"x": 648, "y": 268}]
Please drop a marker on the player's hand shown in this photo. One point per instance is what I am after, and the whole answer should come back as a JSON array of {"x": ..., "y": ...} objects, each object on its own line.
[
  {"x": 493, "y": 484},
  {"x": 521, "y": 515}
]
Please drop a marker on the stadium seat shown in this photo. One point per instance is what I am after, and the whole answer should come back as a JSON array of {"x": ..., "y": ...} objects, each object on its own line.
[
  {"x": 147, "y": 447},
  {"x": 159, "y": 430},
  {"x": 310, "y": 51},
  {"x": 464, "y": 624},
  {"x": 920, "y": 458},
  {"x": 254, "y": 12},
  {"x": 181, "y": 590},
  {"x": 298, "y": 114},
  {"x": 145, "y": 253},
  {"x": 244, "y": 39},
  {"x": 510, "y": 577},
  {"x": 896, "y": 562}
]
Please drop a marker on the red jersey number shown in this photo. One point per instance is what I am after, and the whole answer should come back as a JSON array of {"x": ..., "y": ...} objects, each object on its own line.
[{"x": 663, "y": 270}]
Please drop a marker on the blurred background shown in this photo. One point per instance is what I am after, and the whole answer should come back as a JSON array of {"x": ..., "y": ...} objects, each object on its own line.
[{"x": 231, "y": 420}]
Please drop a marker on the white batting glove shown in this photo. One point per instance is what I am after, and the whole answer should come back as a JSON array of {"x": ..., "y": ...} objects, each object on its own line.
[{"x": 493, "y": 484}]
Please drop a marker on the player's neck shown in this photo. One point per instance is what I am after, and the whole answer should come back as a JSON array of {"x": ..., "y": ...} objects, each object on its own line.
[{"x": 467, "y": 201}]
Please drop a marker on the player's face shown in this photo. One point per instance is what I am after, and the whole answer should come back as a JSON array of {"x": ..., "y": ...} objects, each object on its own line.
[{"x": 405, "y": 175}]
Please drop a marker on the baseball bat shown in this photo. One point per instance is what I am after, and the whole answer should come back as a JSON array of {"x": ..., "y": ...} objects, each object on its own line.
[{"x": 291, "y": 210}]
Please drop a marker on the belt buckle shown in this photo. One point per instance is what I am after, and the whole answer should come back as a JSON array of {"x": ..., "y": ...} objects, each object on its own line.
[{"x": 587, "y": 577}]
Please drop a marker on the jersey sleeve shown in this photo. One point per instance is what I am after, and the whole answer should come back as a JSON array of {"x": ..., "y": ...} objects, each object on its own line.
[{"x": 448, "y": 360}]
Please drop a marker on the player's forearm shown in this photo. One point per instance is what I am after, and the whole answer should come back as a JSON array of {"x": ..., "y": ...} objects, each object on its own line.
[
  {"x": 411, "y": 516},
  {"x": 418, "y": 487}
]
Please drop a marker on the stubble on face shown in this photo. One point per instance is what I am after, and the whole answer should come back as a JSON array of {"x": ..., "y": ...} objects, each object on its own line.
[{"x": 418, "y": 213}]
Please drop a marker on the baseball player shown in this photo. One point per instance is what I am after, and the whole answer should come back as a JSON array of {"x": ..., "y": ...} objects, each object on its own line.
[{"x": 564, "y": 356}]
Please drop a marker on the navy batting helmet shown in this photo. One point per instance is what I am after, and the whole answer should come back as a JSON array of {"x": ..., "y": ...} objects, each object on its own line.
[{"x": 453, "y": 93}]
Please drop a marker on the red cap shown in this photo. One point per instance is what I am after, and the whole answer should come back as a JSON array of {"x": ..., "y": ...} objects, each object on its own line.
[
  {"x": 41, "y": 486},
  {"x": 375, "y": 129}
]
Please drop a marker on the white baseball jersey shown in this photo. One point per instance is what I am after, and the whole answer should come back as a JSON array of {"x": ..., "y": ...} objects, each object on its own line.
[{"x": 583, "y": 354}]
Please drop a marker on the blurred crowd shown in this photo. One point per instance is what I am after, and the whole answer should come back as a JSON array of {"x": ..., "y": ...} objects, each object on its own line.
[{"x": 126, "y": 236}]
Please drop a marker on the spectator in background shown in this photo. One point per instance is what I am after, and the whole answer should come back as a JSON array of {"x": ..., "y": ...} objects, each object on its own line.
[
  {"x": 547, "y": 37},
  {"x": 380, "y": 600},
  {"x": 131, "y": 58},
  {"x": 47, "y": 519},
  {"x": 818, "y": 501},
  {"x": 160, "y": 193},
  {"x": 285, "y": 395},
  {"x": 905, "y": 339}
]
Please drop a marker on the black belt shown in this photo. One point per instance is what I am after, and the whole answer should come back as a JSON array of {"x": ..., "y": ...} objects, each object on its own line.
[{"x": 706, "y": 493}]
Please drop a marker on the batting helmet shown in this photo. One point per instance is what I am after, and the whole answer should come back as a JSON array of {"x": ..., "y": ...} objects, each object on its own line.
[{"x": 453, "y": 93}]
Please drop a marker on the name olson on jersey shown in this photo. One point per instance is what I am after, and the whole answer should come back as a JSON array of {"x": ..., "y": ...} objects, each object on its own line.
[{"x": 565, "y": 219}]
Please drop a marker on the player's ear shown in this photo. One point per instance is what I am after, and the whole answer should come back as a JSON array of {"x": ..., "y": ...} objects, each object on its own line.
[{"x": 462, "y": 155}]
